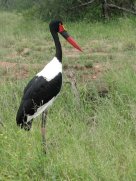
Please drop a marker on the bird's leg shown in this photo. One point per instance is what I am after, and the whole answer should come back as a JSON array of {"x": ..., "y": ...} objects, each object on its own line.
[{"x": 43, "y": 129}]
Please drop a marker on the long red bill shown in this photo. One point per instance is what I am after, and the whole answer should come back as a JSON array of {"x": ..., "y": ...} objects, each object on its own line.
[{"x": 72, "y": 42}]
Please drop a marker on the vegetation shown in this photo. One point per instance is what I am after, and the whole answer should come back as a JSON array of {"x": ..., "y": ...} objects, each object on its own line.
[
  {"x": 93, "y": 142},
  {"x": 72, "y": 9}
]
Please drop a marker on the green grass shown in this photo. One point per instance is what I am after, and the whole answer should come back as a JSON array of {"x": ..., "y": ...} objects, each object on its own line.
[{"x": 95, "y": 142}]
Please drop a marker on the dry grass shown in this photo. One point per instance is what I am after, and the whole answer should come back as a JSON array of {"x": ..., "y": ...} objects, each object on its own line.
[{"x": 95, "y": 141}]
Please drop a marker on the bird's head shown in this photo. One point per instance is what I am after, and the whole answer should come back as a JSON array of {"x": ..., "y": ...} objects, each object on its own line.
[{"x": 58, "y": 27}]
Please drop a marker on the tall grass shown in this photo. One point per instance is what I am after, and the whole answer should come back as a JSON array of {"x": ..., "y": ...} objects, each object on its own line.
[{"x": 93, "y": 142}]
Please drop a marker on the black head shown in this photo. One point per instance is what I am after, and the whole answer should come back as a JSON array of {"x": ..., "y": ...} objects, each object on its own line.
[{"x": 54, "y": 25}]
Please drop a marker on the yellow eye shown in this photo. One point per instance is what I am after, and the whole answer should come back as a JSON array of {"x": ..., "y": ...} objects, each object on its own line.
[
  {"x": 64, "y": 27},
  {"x": 61, "y": 28}
]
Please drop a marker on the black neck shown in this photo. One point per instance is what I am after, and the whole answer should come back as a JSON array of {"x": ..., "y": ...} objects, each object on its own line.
[{"x": 57, "y": 45}]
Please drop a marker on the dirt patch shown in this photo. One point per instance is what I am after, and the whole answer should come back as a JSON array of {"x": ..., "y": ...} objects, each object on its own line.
[
  {"x": 7, "y": 64},
  {"x": 71, "y": 53},
  {"x": 25, "y": 51},
  {"x": 15, "y": 71},
  {"x": 77, "y": 67},
  {"x": 20, "y": 53},
  {"x": 96, "y": 72},
  {"x": 99, "y": 47},
  {"x": 87, "y": 73}
]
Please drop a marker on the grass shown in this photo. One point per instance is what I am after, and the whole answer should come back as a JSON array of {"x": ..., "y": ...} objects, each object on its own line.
[{"x": 95, "y": 142}]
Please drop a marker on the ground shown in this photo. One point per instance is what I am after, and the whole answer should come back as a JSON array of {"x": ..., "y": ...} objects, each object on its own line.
[{"x": 91, "y": 126}]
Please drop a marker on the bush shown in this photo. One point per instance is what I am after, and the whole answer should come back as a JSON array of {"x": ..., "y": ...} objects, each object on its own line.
[{"x": 62, "y": 9}]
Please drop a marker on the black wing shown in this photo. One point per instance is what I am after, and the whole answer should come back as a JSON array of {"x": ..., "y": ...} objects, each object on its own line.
[
  {"x": 38, "y": 92},
  {"x": 29, "y": 84},
  {"x": 43, "y": 90}
]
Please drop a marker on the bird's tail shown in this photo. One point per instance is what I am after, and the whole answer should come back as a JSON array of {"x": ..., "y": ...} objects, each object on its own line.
[{"x": 21, "y": 120}]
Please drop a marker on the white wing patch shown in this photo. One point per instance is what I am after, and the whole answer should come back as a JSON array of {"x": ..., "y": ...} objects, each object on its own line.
[
  {"x": 40, "y": 110},
  {"x": 53, "y": 68}
]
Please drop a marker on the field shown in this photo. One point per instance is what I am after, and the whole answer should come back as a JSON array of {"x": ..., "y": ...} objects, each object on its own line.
[{"x": 90, "y": 140}]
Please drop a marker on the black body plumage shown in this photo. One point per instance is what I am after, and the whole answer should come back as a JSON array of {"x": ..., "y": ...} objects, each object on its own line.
[{"x": 37, "y": 93}]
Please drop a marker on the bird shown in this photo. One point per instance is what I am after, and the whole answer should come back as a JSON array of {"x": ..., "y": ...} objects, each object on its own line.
[{"x": 43, "y": 88}]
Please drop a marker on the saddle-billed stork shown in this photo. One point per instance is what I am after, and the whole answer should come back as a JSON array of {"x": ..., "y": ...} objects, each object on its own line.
[{"x": 42, "y": 90}]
